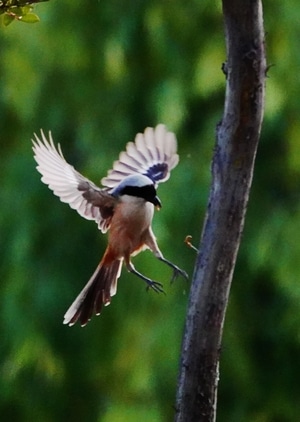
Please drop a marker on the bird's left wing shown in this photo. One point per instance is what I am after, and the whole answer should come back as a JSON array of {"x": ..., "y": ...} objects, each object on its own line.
[
  {"x": 153, "y": 154},
  {"x": 69, "y": 185}
]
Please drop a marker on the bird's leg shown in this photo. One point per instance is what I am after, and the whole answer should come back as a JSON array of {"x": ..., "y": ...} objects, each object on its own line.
[
  {"x": 154, "y": 285},
  {"x": 152, "y": 244},
  {"x": 176, "y": 270}
]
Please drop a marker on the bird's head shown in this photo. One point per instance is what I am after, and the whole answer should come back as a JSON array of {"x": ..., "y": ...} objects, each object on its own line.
[{"x": 139, "y": 186}]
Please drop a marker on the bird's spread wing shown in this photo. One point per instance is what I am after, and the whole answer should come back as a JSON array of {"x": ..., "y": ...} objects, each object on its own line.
[
  {"x": 153, "y": 154},
  {"x": 69, "y": 185}
]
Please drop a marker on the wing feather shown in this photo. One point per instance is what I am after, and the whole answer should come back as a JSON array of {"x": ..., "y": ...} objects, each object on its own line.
[
  {"x": 153, "y": 154},
  {"x": 68, "y": 184}
]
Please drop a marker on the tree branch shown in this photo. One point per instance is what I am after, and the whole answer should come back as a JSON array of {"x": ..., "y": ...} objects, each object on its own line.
[
  {"x": 8, "y": 4},
  {"x": 232, "y": 170}
]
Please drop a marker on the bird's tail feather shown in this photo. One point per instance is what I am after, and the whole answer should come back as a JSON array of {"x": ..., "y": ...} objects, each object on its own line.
[{"x": 97, "y": 292}]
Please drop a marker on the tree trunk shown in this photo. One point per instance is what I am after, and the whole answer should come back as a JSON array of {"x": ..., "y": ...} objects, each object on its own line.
[{"x": 232, "y": 169}]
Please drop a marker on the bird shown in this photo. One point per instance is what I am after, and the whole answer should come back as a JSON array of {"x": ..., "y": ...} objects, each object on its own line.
[{"x": 124, "y": 206}]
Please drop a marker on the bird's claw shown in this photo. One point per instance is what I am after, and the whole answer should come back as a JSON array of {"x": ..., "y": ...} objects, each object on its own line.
[
  {"x": 156, "y": 286},
  {"x": 177, "y": 272}
]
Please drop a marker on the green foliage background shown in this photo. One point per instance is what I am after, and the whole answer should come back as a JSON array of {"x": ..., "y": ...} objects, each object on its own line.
[{"x": 95, "y": 73}]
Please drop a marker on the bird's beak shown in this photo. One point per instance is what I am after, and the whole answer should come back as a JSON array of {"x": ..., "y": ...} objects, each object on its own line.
[{"x": 157, "y": 203}]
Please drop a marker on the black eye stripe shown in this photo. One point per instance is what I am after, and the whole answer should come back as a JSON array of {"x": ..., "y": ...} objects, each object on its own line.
[{"x": 147, "y": 192}]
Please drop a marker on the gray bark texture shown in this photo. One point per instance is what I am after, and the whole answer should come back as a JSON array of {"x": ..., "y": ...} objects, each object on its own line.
[{"x": 237, "y": 137}]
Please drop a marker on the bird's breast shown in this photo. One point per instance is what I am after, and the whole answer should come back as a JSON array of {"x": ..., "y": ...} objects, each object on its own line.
[{"x": 130, "y": 223}]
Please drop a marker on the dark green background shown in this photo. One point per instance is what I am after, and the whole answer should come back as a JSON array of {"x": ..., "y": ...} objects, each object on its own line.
[{"x": 95, "y": 73}]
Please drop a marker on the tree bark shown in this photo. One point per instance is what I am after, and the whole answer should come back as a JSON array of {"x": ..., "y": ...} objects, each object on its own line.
[{"x": 237, "y": 137}]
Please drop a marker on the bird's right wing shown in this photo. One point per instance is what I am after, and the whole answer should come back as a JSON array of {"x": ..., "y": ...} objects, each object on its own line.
[
  {"x": 153, "y": 154},
  {"x": 69, "y": 185}
]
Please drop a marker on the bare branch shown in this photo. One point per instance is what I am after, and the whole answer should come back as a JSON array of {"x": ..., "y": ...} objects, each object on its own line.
[{"x": 232, "y": 170}]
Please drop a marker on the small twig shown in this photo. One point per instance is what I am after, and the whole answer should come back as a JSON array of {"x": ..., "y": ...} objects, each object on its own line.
[
  {"x": 6, "y": 4},
  {"x": 187, "y": 241}
]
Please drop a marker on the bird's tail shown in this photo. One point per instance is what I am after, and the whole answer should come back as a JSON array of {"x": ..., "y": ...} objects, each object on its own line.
[{"x": 97, "y": 292}]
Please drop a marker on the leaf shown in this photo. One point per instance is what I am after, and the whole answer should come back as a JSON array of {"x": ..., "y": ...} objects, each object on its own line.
[
  {"x": 27, "y": 9},
  {"x": 16, "y": 11},
  {"x": 7, "y": 19},
  {"x": 30, "y": 18}
]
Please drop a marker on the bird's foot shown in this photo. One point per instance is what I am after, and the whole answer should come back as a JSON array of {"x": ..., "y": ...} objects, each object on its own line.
[
  {"x": 155, "y": 285},
  {"x": 177, "y": 272}
]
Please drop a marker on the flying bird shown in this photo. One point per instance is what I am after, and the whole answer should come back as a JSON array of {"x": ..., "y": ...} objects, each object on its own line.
[{"x": 124, "y": 206}]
